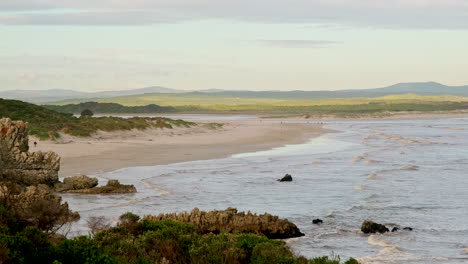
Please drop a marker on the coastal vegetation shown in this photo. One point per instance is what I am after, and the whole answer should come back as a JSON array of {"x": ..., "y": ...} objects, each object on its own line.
[
  {"x": 110, "y": 108},
  {"x": 212, "y": 103},
  {"x": 33, "y": 221},
  {"x": 214, "y": 100},
  {"x": 141, "y": 241},
  {"x": 48, "y": 124}
]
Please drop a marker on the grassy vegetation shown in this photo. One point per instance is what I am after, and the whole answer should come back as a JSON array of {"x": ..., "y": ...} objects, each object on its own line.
[
  {"x": 135, "y": 241},
  {"x": 213, "y": 100},
  {"x": 109, "y": 108},
  {"x": 213, "y": 125},
  {"x": 45, "y": 123},
  {"x": 214, "y": 103}
]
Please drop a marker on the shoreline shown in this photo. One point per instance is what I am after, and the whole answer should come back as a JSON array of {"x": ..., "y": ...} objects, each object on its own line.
[{"x": 110, "y": 151}]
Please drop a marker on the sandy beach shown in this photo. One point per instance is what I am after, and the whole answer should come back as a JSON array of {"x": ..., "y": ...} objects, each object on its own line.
[
  {"x": 111, "y": 151},
  {"x": 106, "y": 151}
]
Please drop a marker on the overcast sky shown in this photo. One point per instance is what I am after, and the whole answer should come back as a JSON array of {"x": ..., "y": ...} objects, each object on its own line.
[{"x": 92, "y": 45}]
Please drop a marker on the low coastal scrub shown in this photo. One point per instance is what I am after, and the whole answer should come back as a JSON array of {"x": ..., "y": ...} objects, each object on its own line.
[
  {"x": 110, "y": 108},
  {"x": 354, "y": 107},
  {"x": 47, "y": 124},
  {"x": 142, "y": 241}
]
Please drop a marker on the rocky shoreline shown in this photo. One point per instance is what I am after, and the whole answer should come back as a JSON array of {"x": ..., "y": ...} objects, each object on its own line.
[
  {"x": 19, "y": 166},
  {"x": 230, "y": 220},
  {"x": 35, "y": 176}
]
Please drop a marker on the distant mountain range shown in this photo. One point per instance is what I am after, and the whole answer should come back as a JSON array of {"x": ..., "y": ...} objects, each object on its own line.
[
  {"x": 421, "y": 88},
  {"x": 58, "y": 95}
]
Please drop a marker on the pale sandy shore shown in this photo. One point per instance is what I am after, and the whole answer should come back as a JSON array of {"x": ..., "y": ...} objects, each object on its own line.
[
  {"x": 111, "y": 151},
  {"x": 106, "y": 152}
]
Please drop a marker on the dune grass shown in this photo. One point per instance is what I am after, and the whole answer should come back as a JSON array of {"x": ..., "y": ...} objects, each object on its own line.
[{"x": 48, "y": 124}]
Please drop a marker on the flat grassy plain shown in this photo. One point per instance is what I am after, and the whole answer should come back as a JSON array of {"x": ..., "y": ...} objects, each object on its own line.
[
  {"x": 218, "y": 103},
  {"x": 213, "y": 101}
]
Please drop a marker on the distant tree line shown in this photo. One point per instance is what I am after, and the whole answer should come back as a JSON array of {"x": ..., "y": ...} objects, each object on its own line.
[{"x": 96, "y": 107}]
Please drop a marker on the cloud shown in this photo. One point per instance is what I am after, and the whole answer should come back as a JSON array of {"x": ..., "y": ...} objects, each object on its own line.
[
  {"x": 193, "y": 4},
  {"x": 112, "y": 18},
  {"x": 299, "y": 43},
  {"x": 451, "y": 14}
]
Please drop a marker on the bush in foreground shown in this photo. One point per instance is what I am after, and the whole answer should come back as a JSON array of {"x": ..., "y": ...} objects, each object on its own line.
[{"x": 144, "y": 241}]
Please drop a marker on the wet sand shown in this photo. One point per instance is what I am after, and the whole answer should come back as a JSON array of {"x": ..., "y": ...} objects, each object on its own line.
[{"x": 111, "y": 151}]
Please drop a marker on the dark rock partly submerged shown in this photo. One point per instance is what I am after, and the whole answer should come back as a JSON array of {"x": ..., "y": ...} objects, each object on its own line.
[
  {"x": 112, "y": 187},
  {"x": 317, "y": 221},
  {"x": 230, "y": 220},
  {"x": 286, "y": 178},
  {"x": 372, "y": 227},
  {"x": 76, "y": 183}
]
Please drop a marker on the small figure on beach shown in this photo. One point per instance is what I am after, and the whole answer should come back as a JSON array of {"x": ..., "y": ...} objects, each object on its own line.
[{"x": 35, "y": 143}]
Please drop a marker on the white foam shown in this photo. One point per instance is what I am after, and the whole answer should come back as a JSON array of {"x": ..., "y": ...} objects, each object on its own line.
[{"x": 317, "y": 145}]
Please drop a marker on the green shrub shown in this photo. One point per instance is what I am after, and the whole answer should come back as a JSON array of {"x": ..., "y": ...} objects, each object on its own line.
[
  {"x": 265, "y": 253},
  {"x": 172, "y": 232},
  {"x": 167, "y": 227},
  {"x": 325, "y": 260},
  {"x": 129, "y": 218},
  {"x": 8, "y": 221},
  {"x": 87, "y": 113},
  {"x": 333, "y": 259},
  {"x": 82, "y": 250},
  {"x": 249, "y": 241},
  {"x": 142, "y": 242},
  {"x": 218, "y": 249},
  {"x": 28, "y": 246},
  {"x": 351, "y": 261}
]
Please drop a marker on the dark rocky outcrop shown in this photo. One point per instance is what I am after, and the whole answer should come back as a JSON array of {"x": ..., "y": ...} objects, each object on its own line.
[
  {"x": 230, "y": 220},
  {"x": 36, "y": 205},
  {"x": 26, "y": 178},
  {"x": 371, "y": 227},
  {"x": 286, "y": 178},
  {"x": 395, "y": 229},
  {"x": 112, "y": 187},
  {"x": 76, "y": 183},
  {"x": 317, "y": 221},
  {"x": 20, "y": 166},
  {"x": 408, "y": 229}
]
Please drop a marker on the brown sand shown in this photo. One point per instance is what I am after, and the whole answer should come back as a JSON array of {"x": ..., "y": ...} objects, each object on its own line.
[{"x": 111, "y": 151}]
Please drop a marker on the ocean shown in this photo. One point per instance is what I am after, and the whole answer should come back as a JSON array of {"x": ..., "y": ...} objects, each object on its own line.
[{"x": 394, "y": 172}]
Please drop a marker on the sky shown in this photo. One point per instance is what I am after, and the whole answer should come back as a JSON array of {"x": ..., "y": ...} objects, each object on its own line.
[{"x": 91, "y": 45}]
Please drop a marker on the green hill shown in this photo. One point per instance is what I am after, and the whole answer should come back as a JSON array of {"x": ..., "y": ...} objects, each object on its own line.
[
  {"x": 45, "y": 123},
  {"x": 111, "y": 108},
  {"x": 60, "y": 96}
]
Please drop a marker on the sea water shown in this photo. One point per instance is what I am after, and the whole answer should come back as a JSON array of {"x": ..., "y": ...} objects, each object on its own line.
[{"x": 398, "y": 173}]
